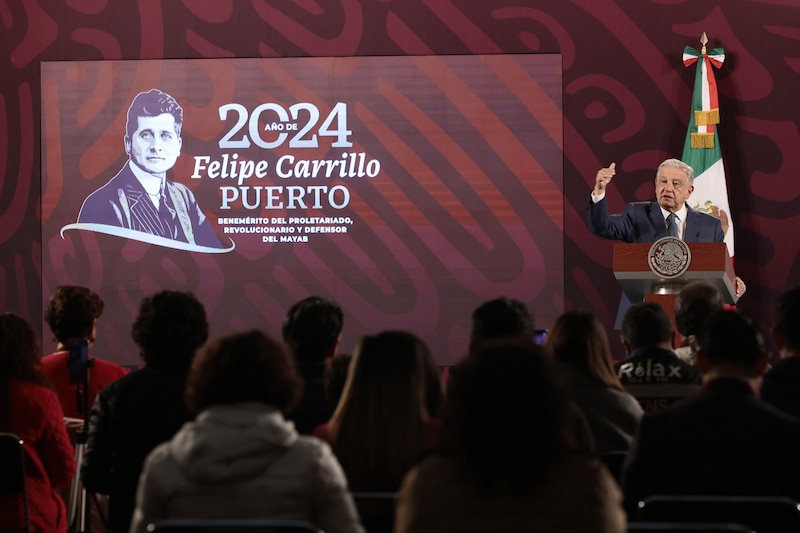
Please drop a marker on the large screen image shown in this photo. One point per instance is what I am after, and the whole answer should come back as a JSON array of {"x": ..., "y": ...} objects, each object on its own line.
[{"x": 408, "y": 189}]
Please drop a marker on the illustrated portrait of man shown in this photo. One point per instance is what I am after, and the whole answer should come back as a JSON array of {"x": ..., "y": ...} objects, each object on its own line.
[{"x": 140, "y": 197}]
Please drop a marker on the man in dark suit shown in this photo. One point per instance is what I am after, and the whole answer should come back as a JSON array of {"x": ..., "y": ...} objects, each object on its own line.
[
  {"x": 724, "y": 440},
  {"x": 650, "y": 221},
  {"x": 140, "y": 197},
  {"x": 647, "y": 221}
]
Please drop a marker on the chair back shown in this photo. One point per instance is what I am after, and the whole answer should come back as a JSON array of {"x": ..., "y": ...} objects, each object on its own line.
[
  {"x": 217, "y": 525},
  {"x": 683, "y": 527},
  {"x": 765, "y": 514},
  {"x": 12, "y": 472},
  {"x": 614, "y": 461},
  {"x": 376, "y": 510}
]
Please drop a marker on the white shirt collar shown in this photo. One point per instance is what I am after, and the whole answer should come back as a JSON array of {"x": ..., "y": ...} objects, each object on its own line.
[{"x": 147, "y": 180}]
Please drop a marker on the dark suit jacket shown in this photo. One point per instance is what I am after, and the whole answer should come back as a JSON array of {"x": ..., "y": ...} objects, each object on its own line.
[
  {"x": 644, "y": 222},
  {"x": 724, "y": 440},
  {"x": 781, "y": 386},
  {"x": 122, "y": 202}
]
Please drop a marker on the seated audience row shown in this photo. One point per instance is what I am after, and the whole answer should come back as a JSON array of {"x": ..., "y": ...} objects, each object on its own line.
[
  {"x": 724, "y": 439},
  {"x": 217, "y": 435}
]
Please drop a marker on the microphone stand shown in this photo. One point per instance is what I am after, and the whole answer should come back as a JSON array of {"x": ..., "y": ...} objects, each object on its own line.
[{"x": 78, "y": 499}]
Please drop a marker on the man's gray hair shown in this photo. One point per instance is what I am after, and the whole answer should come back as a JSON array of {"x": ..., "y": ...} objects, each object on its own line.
[{"x": 677, "y": 163}]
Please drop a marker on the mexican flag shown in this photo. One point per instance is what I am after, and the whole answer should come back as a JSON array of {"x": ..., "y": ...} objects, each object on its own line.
[{"x": 701, "y": 150}]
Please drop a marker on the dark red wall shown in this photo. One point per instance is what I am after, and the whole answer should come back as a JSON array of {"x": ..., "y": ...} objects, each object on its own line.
[{"x": 626, "y": 99}]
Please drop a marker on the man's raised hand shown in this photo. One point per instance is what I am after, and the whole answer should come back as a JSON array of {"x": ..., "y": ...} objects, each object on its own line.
[{"x": 604, "y": 175}]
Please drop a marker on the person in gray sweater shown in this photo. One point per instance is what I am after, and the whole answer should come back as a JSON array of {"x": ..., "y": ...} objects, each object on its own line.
[{"x": 241, "y": 458}]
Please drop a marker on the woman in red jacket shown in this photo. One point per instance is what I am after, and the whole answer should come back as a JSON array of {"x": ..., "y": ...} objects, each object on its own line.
[{"x": 30, "y": 410}]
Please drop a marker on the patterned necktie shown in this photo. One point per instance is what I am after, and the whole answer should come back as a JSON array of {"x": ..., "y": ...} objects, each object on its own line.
[{"x": 672, "y": 226}]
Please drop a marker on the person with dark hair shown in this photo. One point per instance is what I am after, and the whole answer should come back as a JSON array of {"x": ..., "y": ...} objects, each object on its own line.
[
  {"x": 501, "y": 317},
  {"x": 696, "y": 301},
  {"x": 781, "y": 386},
  {"x": 648, "y": 339},
  {"x": 724, "y": 440},
  {"x": 145, "y": 408},
  {"x": 72, "y": 314},
  {"x": 504, "y": 463},
  {"x": 382, "y": 423},
  {"x": 505, "y": 318},
  {"x": 140, "y": 197},
  {"x": 31, "y": 411},
  {"x": 240, "y": 458},
  {"x": 579, "y": 343},
  {"x": 311, "y": 328}
]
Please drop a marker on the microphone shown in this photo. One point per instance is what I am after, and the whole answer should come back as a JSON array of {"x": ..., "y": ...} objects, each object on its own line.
[{"x": 78, "y": 360}]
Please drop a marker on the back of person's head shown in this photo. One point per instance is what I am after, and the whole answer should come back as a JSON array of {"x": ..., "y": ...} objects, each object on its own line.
[
  {"x": 696, "y": 301},
  {"x": 579, "y": 340},
  {"x": 169, "y": 329},
  {"x": 20, "y": 354},
  {"x": 646, "y": 324},
  {"x": 312, "y": 328},
  {"x": 20, "y": 357},
  {"x": 732, "y": 339},
  {"x": 787, "y": 318},
  {"x": 377, "y": 428},
  {"x": 501, "y": 317},
  {"x": 243, "y": 367},
  {"x": 72, "y": 312},
  {"x": 507, "y": 414}
]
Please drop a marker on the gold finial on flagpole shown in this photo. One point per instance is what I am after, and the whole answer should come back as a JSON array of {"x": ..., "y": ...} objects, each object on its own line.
[{"x": 703, "y": 41}]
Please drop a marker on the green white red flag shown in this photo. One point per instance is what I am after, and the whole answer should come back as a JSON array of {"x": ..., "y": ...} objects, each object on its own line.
[{"x": 701, "y": 150}]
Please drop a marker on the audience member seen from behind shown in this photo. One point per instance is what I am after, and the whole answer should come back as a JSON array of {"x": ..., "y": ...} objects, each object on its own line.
[
  {"x": 504, "y": 318},
  {"x": 145, "y": 408},
  {"x": 240, "y": 458},
  {"x": 781, "y": 385},
  {"x": 72, "y": 315},
  {"x": 725, "y": 440},
  {"x": 30, "y": 410},
  {"x": 505, "y": 462},
  {"x": 501, "y": 317},
  {"x": 648, "y": 339},
  {"x": 381, "y": 424},
  {"x": 579, "y": 343},
  {"x": 696, "y": 301},
  {"x": 311, "y": 328}
]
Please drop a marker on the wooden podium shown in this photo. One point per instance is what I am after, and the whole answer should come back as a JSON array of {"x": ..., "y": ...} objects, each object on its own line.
[{"x": 709, "y": 261}]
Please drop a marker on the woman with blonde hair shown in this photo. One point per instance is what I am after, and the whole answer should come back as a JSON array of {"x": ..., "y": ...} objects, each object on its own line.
[{"x": 578, "y": 342}]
